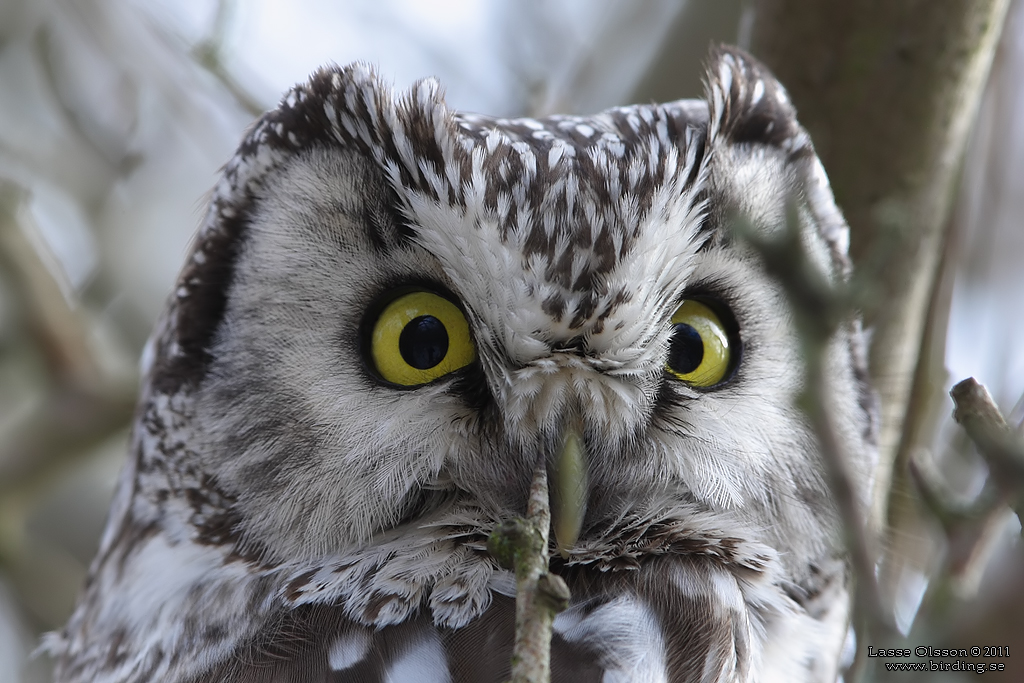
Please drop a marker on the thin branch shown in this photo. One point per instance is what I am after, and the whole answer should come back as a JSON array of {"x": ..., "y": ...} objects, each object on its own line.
[
  {"x": 522, "y": 544},
  {"x": 892, "y": 158},
  {"x": 978, "y": 415},
  {"x": 819, "y": 307},
  {"x": 947, "y": 506},
  {"x": 1000, "y": 445},
  {"x": 972, "y": 527},
  {"x": 531, "y": 654}
]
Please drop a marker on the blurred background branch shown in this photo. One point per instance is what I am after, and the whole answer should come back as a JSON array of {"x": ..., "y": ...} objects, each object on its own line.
[{"x": 888, "y": 92}]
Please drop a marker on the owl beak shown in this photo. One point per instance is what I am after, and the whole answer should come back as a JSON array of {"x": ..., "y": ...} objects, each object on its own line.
[{"x": 569, "y": 490}]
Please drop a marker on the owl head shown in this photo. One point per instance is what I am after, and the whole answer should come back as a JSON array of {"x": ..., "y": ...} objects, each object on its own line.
[
  {"x": 392, "y": 308},
  {"x": 391, "y": 302}
]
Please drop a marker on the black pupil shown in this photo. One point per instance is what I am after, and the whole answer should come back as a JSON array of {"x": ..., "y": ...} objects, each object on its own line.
[
  {"x": 687, "y": 349},
  {"x": 423, "y": 342}
]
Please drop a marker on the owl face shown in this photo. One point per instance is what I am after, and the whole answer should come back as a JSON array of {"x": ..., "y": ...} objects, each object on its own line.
[
  {"x": 394, "y": 311},
  {"x": 421, "y": 302}
]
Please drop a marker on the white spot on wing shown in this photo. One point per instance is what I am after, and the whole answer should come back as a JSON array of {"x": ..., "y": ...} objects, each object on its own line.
[
  {"x": 628, "y": 636},
  {"x": 423, "y": 662},
  {"x": 758, "y": 93},
  {"x": 569, "y": 619},
  {"x": 554, "y": 155},
  {"x": 348, "y": 649}
]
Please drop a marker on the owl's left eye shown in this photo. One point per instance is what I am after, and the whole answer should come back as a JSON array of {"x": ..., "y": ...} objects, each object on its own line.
[
  {"x": 419, "y": 337},
  {"x": 701, "y": 352}
]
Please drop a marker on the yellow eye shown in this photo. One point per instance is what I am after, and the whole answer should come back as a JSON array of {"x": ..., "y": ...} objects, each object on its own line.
[
  {"x": 699, "y": 354},
  {"x": 419, "y": 337}
]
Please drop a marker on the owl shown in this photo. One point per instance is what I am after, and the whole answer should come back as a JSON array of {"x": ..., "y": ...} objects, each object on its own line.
[{"x": 394, "y": 311}]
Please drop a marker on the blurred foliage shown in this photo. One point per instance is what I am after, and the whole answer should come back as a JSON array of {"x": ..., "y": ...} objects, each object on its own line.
[
  {"x": 113, "y": 124},
  {"x": 108, "y": 135}
]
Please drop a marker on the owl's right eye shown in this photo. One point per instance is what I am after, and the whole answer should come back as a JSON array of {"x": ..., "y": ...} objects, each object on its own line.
[
  {"x": 419, "y": 337},
  {"x": 701, "y": 351}
]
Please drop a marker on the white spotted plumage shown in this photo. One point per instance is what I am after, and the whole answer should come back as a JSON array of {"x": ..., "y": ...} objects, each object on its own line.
[{"x": 287, "y": 515}]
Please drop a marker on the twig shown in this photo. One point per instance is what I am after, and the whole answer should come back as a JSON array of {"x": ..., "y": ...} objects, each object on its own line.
[
  {"x": 971, "y": 526},
  {"x": 819, "y": 307},
  {"x": 947, "y": 506},
  {"x": 522, "y": 545},
  {"x": 1000, "y": 445},
  {"x": 869, "y": 616},
  {"x": 978, "y": 415}
]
